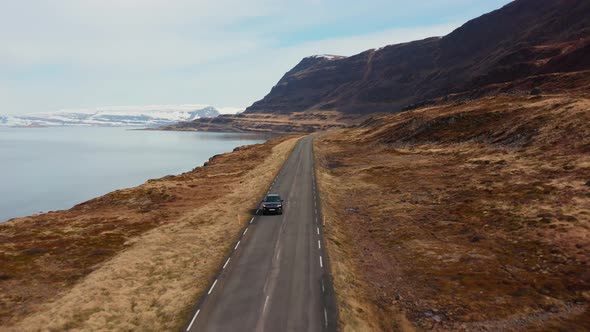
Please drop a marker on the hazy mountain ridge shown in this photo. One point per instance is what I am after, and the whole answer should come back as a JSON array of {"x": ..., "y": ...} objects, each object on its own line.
[{"x": 146, "y": 116}]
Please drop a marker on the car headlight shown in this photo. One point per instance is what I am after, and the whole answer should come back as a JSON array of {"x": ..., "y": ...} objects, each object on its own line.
[{"x": 279, "y": 206}]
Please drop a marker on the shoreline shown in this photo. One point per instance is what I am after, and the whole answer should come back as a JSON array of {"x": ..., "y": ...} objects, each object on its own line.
[
  {"x": 54, "y": 177},
  {"x": 58, "y": 256}
]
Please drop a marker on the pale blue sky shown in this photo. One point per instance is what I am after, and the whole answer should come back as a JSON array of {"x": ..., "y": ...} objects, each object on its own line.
[{"x": 65, "y": 54}]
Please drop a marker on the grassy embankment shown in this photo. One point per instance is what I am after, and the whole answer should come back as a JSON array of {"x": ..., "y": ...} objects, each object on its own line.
[
  {"x": 464, "y": 216},
  {"x": 134, "y": 259}
]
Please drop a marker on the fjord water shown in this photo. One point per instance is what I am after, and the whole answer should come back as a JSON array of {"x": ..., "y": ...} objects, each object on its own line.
[{"x": 54, "y": 168}]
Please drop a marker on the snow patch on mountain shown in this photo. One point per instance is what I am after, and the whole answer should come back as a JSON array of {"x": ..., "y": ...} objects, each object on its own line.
[{"x": 328, "y": 56}]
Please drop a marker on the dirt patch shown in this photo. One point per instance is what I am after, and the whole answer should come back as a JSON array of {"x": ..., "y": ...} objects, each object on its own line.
[
  {"x": 472, "y": 216},
  {"x": 134, "y": 259}
]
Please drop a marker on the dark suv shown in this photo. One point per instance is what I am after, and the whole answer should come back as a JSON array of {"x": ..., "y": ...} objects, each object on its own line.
[{"x": 272, "y": 204}]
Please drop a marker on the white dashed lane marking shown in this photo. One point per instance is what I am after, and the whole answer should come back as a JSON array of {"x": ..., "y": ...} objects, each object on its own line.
[
  {"x": 246, "y": 230},
  {"x": 212, "y": 286},
  {"x": 319, "y": 245},
  {"x": 321, "y": 263},
  {"x": 265, "y": 303},
  {"x": 318, "y": 230},
  {"x": 193, "y": 320},
  {"x": 227, "y": 261},
  {"x": 236, "y": 247}
]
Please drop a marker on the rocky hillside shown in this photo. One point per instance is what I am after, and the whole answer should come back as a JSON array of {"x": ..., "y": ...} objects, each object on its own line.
[
  {"x": 526, "y": 38},
  {"x": 482, "y": 221}
]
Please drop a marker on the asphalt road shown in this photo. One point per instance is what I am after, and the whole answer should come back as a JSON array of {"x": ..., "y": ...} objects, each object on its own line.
[{"x": 276, "y": 278}]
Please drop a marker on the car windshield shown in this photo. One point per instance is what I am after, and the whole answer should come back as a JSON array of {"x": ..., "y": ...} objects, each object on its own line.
[{"x": 273, "y": 199}]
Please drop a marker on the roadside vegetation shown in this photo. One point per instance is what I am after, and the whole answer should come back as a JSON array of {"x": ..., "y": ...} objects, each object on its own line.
[
  {"x": 470, "y": 215},
  {"x": 134, "y": 259}
]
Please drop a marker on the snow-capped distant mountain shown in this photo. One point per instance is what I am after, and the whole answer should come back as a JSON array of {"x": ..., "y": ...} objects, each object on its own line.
[
  {"x": 11, "y": 121},
  {"x": 143, "y": 116},
  {"x": 328, "y": 56}
]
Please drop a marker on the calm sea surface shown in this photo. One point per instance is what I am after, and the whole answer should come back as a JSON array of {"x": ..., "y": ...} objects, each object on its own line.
[{"x": 44, "y": 169}]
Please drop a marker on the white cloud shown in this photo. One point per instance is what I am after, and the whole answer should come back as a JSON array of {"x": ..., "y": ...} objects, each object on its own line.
[
  {"x": 121, "y": 33},
  {"x": 70, "y": 53},
  {"x": 248, "y": 75}
]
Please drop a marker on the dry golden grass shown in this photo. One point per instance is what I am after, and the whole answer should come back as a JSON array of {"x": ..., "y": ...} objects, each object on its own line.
[
  {"x": 470, "y": 216},
  {"x": 356, "y": 312},
  {"x": 150, "y": 278}
]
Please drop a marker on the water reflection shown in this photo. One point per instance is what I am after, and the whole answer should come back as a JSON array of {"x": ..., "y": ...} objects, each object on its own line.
[{"x": 45, "y": 169}]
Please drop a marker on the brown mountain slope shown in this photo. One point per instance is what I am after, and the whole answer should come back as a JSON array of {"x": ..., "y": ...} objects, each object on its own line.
[
  {"x": 524, "y": 38},
  {"x": 467, "y": 216}
]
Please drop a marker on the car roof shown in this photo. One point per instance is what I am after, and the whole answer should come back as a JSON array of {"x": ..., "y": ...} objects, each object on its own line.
[{"x": 272, "y": 195}]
